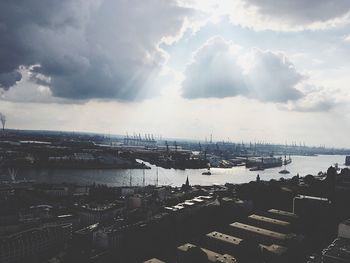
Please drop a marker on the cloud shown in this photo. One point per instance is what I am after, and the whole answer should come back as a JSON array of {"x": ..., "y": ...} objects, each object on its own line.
[
  {"x": 296, "y": 13},
  {"x": 312, "y": 106},
  {"x": 220, "y": 69},
  {"x": 285, "y": 15},
  {"x": 316, "y": 99},
  {"x": 214, "y": 72},
  {"x": 83, "y": 49},
  {"x": 273, "y": 77},
  {"x": 8, "y": 79},
  {"x": 347, "y": 38}
]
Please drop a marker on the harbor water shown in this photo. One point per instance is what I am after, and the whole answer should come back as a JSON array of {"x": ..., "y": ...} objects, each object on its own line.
[{"x": 117, "y": 177}]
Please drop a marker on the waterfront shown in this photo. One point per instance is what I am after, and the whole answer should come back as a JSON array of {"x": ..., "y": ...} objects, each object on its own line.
[{"x": 117, "y": 177}]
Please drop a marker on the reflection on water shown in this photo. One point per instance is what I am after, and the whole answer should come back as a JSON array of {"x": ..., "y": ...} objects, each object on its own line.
[{"x": 301, "y": 164}]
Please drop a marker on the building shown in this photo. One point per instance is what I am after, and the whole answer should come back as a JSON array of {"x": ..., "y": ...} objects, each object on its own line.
[
  {"x": 85, "y": 238},
  {"x": 189, "y": 253},
  {"x": 64, "y": 219},
  {"x": 337, "y": 252},
  {"x": 275, "y": 253},
  {"x": 100, "y": 213},
  {"x": 313, "y": 212},
  {"x": 57, "y": 191},
  {"x": 270, "y": 223},
  {"x": 344, "y": 229},
  {"x": 229, "y": 244},
  {"x": 260, "y": 235},
  {"x": 35, "y": 244},
  {"x": 145, "y": 237},
  {"x": 304, "y": 205},
  {"x": 223, "y": 243},
  {"x": 154, "y": 260},
  {"x": 283, "y": 215}
]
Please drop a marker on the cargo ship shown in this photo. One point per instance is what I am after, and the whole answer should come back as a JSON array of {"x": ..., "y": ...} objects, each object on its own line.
[
  {"x": 263, "y": 162},
  {"x": 287, "y": 161},
  {"x": 347, "y": 160}
]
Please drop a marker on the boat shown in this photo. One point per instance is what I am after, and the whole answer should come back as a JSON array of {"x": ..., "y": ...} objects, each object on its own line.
[
  {"x": 287, "y": 161},
  {"x": 284, "y": 171},
  {"x": 207, "y": 172},
  {"x": 347, "y": 160},
  {"x": 257, "y": 169},
  {"x": 263, "y": 162}
]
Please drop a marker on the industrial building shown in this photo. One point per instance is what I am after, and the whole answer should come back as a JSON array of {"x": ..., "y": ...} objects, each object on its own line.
[
  {"x": 154, "y": 260},
  {"x": 187, "y": 253},
  {"x": 270, "y": 223},
  {"x": 283, "y": 215},
  {"x": 261, "y": 235}
]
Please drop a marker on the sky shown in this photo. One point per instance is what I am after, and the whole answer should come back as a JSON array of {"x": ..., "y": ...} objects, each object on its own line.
[{"x": 241, "y": 70}]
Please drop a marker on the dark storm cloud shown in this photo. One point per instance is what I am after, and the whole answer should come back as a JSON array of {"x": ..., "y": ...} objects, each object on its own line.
[
  {"x": 215, "y": 72},
  {"x": 7, "y": 80},
  {"x": 85, "y": 48},
  {"x": 301, "y": 12}
]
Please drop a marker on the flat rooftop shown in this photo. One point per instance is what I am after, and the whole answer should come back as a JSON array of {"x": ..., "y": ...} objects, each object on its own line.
[
  {"x": 212, "y": 256},
  {"x": 284, "y": 213},
  {"x": 346, "y": 222},
  {"x": 154, "y": 260},
  {"x": 275, "y": 249},
  {"x": 259, "y": 231},
  {"x": 269, "y": 220},
  {"x": 225, "y": 238},
  {"x": 339, "y": 250}
]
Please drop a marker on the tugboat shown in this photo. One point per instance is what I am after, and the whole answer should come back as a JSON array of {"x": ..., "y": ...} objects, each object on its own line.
[
  {"x": 208, "y": 171},
  {"x": 285, "y": 171}
]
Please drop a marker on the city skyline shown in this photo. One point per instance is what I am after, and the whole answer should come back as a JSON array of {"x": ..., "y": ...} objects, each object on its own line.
[{"x": 245, "y": 70}]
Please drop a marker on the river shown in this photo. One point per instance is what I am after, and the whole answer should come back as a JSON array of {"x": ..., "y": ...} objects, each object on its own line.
[{"x": 116, "y": 177}]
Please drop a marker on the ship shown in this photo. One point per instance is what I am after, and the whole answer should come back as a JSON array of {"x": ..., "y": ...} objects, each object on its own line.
[
  {"x": 264, "y": 162},
  {"x": 284, "y": 171},
  {"x": 287, "y": 161},
  {"x": 347, "y": 160},
  {"x": 208, "y": 171}
]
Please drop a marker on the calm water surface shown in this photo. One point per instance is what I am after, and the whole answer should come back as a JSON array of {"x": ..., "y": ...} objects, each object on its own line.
[{"x": 301, "y": 164}]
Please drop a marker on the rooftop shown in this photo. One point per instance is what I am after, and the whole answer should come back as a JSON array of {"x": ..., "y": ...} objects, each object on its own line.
[
  {"x": 260, "y": 231},
  {"x": 275, "y": 249},
  {"x": 225, "y": 238},
  {"x": 269, "y": 220},
  {"x": 154, "y": 260},
  {"x": 88, "y": 229},
  {"x": 212, "y": 256},
  {"x": 284, "y": 213},
  {"x": 338, "y": 250},
  {"x": 346, "y": 222}
]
